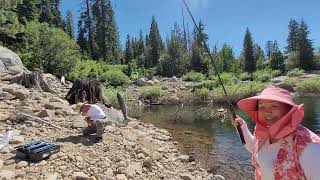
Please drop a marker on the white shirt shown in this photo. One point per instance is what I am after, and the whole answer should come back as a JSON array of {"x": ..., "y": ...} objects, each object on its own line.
[
  {"x": 95, "y": 112},
  {"x": 267, "y": 156}
]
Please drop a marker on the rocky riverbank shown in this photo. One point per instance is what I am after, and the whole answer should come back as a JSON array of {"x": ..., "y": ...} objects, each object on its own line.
[{"x": 137, "y": 151}]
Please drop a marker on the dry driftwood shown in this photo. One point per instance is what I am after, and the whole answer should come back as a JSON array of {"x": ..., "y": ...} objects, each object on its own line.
[{"x": 33, "y": 118}]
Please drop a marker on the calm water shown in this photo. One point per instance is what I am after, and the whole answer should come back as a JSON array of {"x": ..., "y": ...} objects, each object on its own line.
[{"x": 213, "y": 143}]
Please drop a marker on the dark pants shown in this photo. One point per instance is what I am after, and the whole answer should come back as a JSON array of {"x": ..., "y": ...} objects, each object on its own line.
[{"x": 98, "y": 127}]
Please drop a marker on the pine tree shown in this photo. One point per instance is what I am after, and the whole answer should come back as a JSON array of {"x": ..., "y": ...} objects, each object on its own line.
[
  {"x": 11, "y": 30},
  {"x": 112, "y": 38},
  {"x": 259, "y": 56},
  {"x": 81, "y": 38},
  {"x": 176, "y": 61},
  {"x": 292, "y": 39},
  {"x": 305, "y": 48},
  {"x": 225, "y": 58},
  {"x": 57, "y": 19},
  {"x": 141, "y": 46},
  {"x": 249, "y": 63},
  {"x": 269, "y": 49},
  {"x": 135, "y": 47},
  {"x": 277, "y": 60},
  {"x": 46, "y": 14},
  {"x": 185, "y": 39},
  {"x": 85, "y": 30},
  {"x": 99, "y": 28},
  {"x": 69, "y": 24},
  {"x": 128, "y": 50},
  {"x": 27, "y": 11},
  {"x": 154, "y": 45},
  {"x": 198, "y": 61}
]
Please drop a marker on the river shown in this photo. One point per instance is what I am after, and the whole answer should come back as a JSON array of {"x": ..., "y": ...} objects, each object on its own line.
[{"x": 212, "y": 143}]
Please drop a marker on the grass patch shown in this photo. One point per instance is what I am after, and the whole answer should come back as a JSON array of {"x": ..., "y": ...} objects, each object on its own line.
[
  {"x": 150, "y": 92},
  {"x": 311, "y": 85},
  {"x": 111, "y": 94},
  {"x": 245, "y": 76},
  {"x": 194, "y": 76},
  {"x": 202, "y": 93},
  {"x": 239, "y": 91},
  {"x": 225, "y": 77},
  {"x": 265, "y": 75},
  {"x": 295, "y": 72},
  {"x": 208, "y": 84},
  {"x": 115, "y": 78}
]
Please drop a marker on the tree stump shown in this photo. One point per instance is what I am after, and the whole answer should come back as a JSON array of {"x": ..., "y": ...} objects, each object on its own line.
[{"x": 33, "y": 79}]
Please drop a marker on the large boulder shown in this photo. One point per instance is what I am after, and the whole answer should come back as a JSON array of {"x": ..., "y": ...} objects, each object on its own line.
[{"x": 10, "y": 62}]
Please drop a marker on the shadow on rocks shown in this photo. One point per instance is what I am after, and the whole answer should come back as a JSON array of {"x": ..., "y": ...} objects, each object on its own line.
[{"x": 85, "y": 140}]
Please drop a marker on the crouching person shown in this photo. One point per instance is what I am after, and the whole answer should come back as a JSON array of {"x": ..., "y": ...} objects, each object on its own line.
[{"x": 96, "y": 119}]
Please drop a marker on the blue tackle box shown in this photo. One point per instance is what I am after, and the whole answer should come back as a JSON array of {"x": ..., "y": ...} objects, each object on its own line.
[{"x": 36, "y": 150}]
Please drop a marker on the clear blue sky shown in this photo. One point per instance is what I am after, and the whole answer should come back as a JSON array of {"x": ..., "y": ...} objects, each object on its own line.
[{"x": 225, "y": 20}]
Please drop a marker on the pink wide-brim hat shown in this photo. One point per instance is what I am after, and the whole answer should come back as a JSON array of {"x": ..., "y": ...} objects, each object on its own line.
[{"x": 270, "y": 93}]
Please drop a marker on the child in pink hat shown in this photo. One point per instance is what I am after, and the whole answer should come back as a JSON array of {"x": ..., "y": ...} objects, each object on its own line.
[{"x": 281, "y": 147}]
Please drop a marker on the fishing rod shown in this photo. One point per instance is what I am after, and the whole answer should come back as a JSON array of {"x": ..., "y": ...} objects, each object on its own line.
[{"x": 216, "y": 70}]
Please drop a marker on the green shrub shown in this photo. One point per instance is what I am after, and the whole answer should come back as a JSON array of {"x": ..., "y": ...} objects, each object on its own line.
[
  {"x": 275, "y": 73},
  {"x": 209, "y": 84},
  {"x": 115, "y": 78},
  {"x": 292, "y": 61},
  {"x": 194, "y": 76},
  {"x": 225, "y": 77},
  {"x": 202, "y": 93},
  {"x": 311, "y": 85},
  {"x": 295, "y": 72},
  {"x": 262, "y": 75},
  {"x": 150, "y": 92},
  {"x": 317, "y": 60},
  {"x": 86, "y": 69},
  {"x": 134, "y": 76},
  {"x": 239, "y": 91},
  {"x": 245, "y": 76},
  {"x": 111, "y": 94},
  {"x": 290, "y": 82},
  {"x": 48, "y": 48},
  {"x": 116, "y": 67}
]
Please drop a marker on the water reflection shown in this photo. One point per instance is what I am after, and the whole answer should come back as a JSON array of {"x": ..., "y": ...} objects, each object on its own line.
[{"x": 214, "y": 144}]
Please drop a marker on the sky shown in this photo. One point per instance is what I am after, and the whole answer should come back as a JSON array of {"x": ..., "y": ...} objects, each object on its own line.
[{"x": 225, "y": 20}]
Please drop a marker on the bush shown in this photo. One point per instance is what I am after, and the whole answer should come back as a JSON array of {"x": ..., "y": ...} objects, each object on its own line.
[
  {"x": 262, "y": 75},
  {"x": 239, "y": 91},
  {"x": 225, "y": 77},
  {"x": 193, "y": 76},
  {"x": 290, "y": 82},
  {"x": 295, "y": 72},
  {"x": 209, "y": 84},
  {"x": 150, "y": 92},
  {"x": 134, "y": 76},
  {"x": 48, "y": 48},
  {"x": 245, "y": 76},
  {"x": 86, "y": 69},
  {"x": 292, "y": 61},
  {"x": 111, "y": 94},
  {"x": 275, "y": 73},
  {"x": 115, "y": 78},
  {"x": 202, "y": 93},
  {"x": 317, "y": 61},
  {"x": 309, "y": 86},
  {"x": 116, "y": 67}
]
